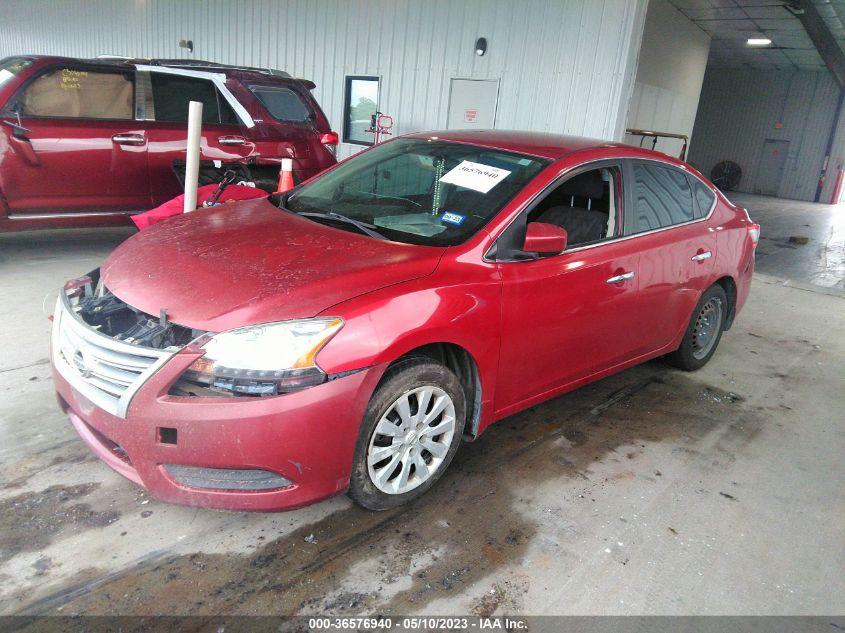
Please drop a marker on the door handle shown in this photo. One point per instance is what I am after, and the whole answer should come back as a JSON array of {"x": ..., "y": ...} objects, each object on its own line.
[
  {"x": 618, "y": 279},
  {"x": 700, "y": 257},
  {"x": 231, "y": 140},
  {"x": 128, "y": 139}
]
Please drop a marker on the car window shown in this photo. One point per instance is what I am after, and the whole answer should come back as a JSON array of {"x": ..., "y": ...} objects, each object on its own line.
[
  {"x": 420, "y": 191},
  {"x": 172, "y": 93},
  {"x": 283, "y": 104},
  {"x": 586, "y": 205},
  {"x": 704, "y": 196},
  {"x": 12, "y": 66},
  {"x": 80, "y": 93},
  {"x": 662, "y": 198}
]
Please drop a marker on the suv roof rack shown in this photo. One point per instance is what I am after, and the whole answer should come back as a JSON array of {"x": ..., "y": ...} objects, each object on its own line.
[
  {"x": 200, "y": 63},
  {"x": 197, "y": 63}
]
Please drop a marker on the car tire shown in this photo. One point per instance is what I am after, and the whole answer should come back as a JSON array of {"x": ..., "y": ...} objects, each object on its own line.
[
  {"x": 395, "y": 456},
  {"x": 703, "y": 332}
]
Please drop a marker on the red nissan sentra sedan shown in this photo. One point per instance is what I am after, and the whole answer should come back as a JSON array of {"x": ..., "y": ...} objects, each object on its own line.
[{"x": 348, "y": 335}]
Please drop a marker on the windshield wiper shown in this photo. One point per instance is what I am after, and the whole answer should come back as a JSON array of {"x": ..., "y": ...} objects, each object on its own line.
[{"x": 367, "y": 229}]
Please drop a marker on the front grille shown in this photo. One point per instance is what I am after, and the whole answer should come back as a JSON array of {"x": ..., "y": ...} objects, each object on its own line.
[{"x": 106, "y": 371}]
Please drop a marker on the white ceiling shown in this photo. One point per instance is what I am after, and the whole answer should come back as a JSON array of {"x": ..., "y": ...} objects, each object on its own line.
[{"x": 731, "y": 22}]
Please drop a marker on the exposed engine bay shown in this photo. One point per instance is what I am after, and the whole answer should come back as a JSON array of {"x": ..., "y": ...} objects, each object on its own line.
[
  {"x": 109, "y": 315},
  {"x": 95, "y": 305}
]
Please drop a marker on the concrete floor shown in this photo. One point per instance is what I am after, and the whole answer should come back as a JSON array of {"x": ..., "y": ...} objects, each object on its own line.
[
  {"x": 650, "y": 492},
  {"x": 799, "y": 241}
]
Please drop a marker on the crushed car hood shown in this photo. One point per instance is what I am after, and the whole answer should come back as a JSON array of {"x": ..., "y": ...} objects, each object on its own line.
[{"x": 249, "y": 262}]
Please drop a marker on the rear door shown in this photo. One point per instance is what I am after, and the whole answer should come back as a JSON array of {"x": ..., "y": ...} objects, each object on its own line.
[
  {"x": 78, "y": 147},
  {"x": 224, "y": 137},
  {"x": 677, "y": 251}
]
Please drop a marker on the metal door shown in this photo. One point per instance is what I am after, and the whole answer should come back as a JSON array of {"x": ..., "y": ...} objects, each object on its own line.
[
  {"x": 472, "y": 104},
  {"x": 772, "y": 163}
]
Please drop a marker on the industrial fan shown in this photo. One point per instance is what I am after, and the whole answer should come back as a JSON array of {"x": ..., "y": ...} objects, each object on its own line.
[{"x": 726, "y": 175}]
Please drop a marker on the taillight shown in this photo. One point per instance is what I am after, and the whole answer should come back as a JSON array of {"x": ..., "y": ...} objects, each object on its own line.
[
  {"x": 330, "y": 140},
  {"x": 753, "y": 228},
  {"x": 754, "y": 233}
]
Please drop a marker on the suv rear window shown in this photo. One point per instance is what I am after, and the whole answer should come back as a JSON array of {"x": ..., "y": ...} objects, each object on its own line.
[
  {"x": 283, "y": 104},
  {"x": 80, "y": 93},
  {"x": 171, "y": 94}
]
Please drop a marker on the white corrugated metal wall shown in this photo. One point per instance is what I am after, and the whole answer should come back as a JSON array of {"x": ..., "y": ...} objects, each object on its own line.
[
  {"x": 673, "y": 58},
  {"x": 565, "y": 65},
  {"x": 739, "y": 110}
]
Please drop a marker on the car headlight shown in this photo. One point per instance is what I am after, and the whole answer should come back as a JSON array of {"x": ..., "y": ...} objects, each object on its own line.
[{"x": 262, "y": 360}]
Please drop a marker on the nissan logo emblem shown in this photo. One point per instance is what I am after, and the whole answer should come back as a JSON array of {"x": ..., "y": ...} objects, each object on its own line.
[{"x": 81, "y": 364}]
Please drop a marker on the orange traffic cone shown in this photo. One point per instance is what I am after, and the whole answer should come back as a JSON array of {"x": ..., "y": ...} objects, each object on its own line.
[{"x": 285, "y": 176}]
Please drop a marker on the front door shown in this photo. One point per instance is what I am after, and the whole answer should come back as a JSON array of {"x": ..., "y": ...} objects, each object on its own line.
[
  {"x": 76, "y": 147},
  {"x": 472, "y": 104},
  {"x": 565, "y": 318},
  {"x": 569, "y": 316}
]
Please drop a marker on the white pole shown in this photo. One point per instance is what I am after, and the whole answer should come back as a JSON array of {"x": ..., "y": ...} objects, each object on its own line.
[{"x": 192, "y": 160}]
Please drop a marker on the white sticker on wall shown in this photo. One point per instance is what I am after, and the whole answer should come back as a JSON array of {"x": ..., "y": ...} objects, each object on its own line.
[{"x": 475, "y": 176}]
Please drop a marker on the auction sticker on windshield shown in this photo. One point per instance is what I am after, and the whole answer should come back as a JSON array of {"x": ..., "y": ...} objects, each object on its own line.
[{"x": 475, "y": 176}]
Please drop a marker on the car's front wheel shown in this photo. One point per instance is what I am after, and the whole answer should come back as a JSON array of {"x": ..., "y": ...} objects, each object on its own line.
[
  {"x": 703, "y": 332},
  {"x": 409, "y": 434}
]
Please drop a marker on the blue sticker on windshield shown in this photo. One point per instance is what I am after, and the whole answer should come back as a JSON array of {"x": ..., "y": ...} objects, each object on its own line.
[{"x": 453, "y": 218}]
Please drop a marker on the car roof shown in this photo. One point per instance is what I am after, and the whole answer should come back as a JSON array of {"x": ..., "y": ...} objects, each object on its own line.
[{"x": 541, "y": 144}]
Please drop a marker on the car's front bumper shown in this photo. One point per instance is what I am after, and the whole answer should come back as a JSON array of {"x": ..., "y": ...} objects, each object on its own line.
[{"x": 295, "y": 448}]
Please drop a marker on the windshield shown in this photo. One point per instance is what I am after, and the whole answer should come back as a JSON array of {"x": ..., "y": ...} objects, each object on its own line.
[
  {"x": 418, "y": 191},
  {"x": 11, "y": 66}
]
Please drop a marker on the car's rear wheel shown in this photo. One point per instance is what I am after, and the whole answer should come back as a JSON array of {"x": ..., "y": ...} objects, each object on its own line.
[
  {"x": 409, "y": 435},
  {"x": 704, "y": 331}
]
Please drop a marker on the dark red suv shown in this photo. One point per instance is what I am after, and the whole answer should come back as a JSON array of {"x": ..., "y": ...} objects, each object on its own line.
[{"x": 88, "y": 142}]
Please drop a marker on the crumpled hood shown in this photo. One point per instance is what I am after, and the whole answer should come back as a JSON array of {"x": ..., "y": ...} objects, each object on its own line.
[{"x": 249, "y": 262}]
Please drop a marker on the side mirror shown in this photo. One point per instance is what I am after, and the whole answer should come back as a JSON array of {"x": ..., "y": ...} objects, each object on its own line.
[{"x": 544, "y": 239}]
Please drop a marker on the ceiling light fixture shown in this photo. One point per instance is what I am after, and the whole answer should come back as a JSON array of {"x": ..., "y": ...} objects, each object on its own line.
[{"x": 758, "y": 41}]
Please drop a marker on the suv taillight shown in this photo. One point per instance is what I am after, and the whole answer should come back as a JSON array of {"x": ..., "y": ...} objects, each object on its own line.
[{"x": 330, "y": 140}]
